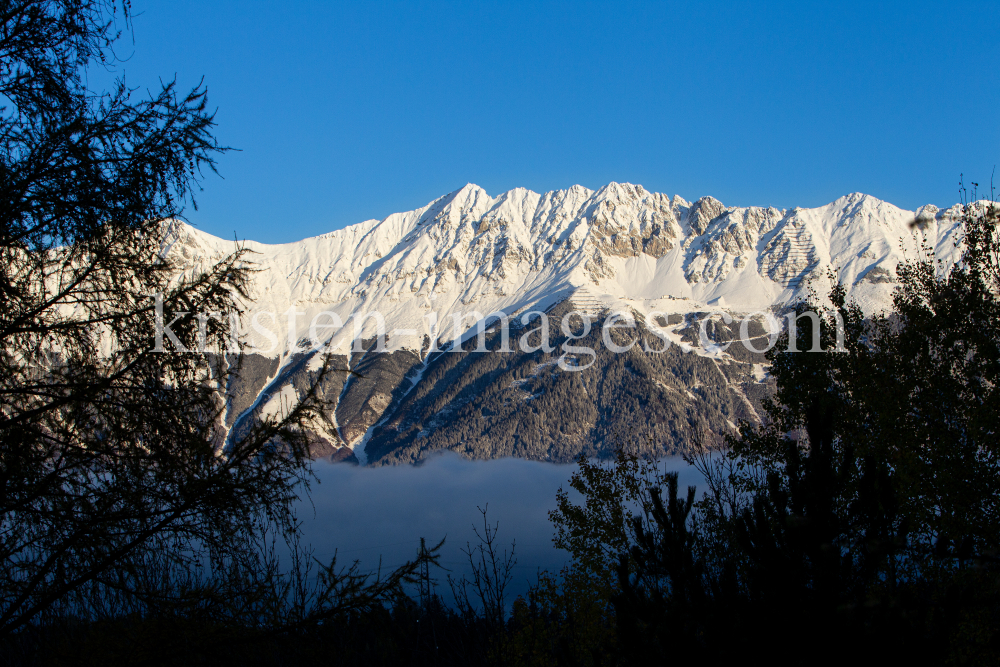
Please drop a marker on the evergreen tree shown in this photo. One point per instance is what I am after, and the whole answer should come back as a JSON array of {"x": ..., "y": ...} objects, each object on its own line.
[{"x": 862, "y": 516}]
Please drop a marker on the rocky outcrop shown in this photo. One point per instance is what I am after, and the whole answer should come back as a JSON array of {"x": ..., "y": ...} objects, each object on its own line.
[{"x": 703, "y": 212}]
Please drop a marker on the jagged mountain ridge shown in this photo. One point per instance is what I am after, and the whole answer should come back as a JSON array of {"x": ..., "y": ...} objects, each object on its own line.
[
  {"x": 620, "y": 247},
  {"x": 625, "y": 245}
]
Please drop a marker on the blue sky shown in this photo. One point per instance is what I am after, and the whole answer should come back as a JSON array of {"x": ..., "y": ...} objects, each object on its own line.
[{"x": 344, "y": 112}]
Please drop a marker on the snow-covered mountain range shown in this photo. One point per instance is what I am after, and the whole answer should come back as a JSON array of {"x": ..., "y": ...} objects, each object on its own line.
[
  {"x": 620, "y": 248},
  {"x": 620, "y": 245}
]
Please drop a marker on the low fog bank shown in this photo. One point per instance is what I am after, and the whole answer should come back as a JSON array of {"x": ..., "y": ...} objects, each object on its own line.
[{"x": 364, "y": 513}]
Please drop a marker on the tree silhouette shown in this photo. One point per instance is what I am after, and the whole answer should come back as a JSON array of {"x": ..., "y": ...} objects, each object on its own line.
[
  {"x": 862, "y": 515},
  {"x": 114, "y": 459}
]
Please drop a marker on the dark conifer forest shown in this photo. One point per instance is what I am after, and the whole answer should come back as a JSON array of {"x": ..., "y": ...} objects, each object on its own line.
[{"x": 859, "y": 521}]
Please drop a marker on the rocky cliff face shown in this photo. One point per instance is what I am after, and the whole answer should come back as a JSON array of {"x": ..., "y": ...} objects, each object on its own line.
[{"x": 425, "y": 275}]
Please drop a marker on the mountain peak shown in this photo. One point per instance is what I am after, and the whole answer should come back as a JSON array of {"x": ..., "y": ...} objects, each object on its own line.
[{"x": 468, "y": 251}]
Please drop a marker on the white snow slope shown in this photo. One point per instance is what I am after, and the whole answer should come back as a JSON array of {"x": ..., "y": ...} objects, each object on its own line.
[{"x": 470, "y": 254}]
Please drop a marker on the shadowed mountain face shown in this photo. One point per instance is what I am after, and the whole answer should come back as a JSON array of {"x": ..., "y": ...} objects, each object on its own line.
[
  {"x": 495, "y": 404},
  {"x": 382, "y": 380},
  {"x": 491, "y": 404},
  {"x": 424, "y": 276}
]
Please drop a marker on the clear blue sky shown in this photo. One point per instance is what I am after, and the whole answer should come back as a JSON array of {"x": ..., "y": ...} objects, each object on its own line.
[{"x": 350, "y": 111}]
